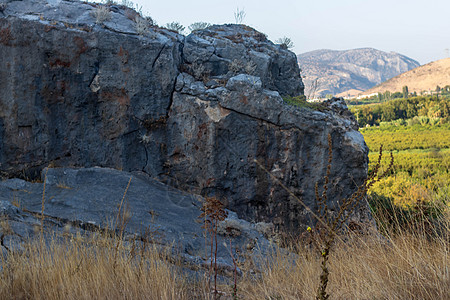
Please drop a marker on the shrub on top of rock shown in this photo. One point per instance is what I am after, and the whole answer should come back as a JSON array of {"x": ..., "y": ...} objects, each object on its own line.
[{"x": 101, "y": 14}]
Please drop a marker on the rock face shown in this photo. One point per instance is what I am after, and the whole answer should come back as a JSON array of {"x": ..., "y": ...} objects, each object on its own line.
[
  {"x": 87, "y": 200},
  {"x": 203, "y": 113},
  {"x": 356, "y": 69}
]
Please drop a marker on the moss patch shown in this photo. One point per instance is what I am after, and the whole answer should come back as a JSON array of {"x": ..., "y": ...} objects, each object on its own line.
[{"x": 300, "y": 101}]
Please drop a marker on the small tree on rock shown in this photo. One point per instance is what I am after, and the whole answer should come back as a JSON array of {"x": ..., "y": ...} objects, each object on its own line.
[{"x": 175, "y": 26}]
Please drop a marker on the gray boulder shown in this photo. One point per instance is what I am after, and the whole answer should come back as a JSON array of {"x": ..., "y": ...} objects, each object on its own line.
[
  {"x": 227, "y": 50},
  {"x": 245, "y": 141},
  {"x": 203, "y": 113},
  {"x": 88, "y": 200}
]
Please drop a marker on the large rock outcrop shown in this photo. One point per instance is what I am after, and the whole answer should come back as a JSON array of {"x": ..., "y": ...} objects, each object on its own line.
[{"x": 203, "y": 113}]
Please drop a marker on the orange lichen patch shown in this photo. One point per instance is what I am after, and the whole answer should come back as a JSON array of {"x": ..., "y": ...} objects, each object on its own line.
[
  {"x": 59, "y": 63},
  {"x": 202, "y": 130},
  {"x": 235, "y": 38},
  {"x": 210, "y": 181},
  {"x": 81, "y": 44},
  {"x": 123, "y": 98},
  {"x": 123, "y": 54},
  {"x": 119, "y": 96},
  {"x": 177, "y": 155},
  {"x": 48, "y": 28},
  {"x": 5, "y": 36}
]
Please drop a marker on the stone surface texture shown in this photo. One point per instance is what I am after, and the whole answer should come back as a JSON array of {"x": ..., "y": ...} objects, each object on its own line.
[
  {"x": 87, "y": 200},
  {"x": 203, "y": 113}
]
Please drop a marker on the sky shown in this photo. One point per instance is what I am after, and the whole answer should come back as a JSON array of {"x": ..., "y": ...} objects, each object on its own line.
[{"x": 419, "y": 29}]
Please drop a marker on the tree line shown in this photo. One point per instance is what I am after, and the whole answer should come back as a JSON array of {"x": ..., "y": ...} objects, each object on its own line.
[{"x": 424, "y": 109}]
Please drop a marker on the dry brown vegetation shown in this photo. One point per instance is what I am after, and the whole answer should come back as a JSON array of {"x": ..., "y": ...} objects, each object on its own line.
[
  {"x": 77, "y": 267},
  {"x": 406, "y": 265},
  {"x": 409, "y": 264}
]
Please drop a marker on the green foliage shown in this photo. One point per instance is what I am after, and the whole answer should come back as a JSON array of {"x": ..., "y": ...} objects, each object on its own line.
[
  {"x": 198, "y": 26},
  {"x": 300, "y": 101},
  {"x": 285, "y": 43},
  {"x": 175, "y": 26},
  {"x": 405, "y": 91},
  {"x": 419, "y": 185},
  {"x": 397, "y": 137},
  {"x": 396, "y": 219},
  {"x": 435, "y": 108}
]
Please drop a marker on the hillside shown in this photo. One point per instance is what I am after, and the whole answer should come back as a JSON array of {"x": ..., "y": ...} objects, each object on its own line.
[
  {"x": 423, "y": 78},
  {"x": 356, "y": 69}
]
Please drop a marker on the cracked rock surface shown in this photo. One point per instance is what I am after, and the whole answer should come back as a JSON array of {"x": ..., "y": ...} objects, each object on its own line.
[
  {"x": 203, "y": 113},
  {"x": 87, "y": 200}
]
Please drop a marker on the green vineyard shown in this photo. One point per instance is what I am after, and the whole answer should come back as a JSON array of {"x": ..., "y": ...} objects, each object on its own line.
[{"x": 421, "y": 159}]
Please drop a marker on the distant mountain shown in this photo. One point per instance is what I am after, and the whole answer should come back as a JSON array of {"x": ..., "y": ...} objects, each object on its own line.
[
  {"x": 334, "y": 72},
  {"x": 424, "y": 78}
]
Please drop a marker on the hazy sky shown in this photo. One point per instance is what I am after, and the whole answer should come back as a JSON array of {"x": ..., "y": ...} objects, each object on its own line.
[{"x": 419, "y": 29}]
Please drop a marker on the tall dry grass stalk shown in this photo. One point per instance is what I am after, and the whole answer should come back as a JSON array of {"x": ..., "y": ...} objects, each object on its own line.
[{"x": 212, "y": 213}]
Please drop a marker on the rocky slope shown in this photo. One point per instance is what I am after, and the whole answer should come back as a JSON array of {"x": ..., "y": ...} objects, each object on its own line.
[
  {"x": 422, "y": 79},
  {"x": 203, "y": 113},
  {"x": 357, "y": 69}
]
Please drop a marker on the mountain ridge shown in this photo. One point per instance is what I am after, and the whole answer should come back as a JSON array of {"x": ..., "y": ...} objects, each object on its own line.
[{"x": 336, "y": 71}]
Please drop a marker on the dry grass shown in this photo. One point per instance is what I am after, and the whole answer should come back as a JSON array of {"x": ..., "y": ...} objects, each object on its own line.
[
  {"x": 101, "y": 14},
  {"x": 77, "y": 267},
  {"x": 404, "y": 265}
]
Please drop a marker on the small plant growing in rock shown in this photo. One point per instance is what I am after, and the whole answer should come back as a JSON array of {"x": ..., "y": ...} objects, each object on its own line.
[
  {"x": 175, "y": 26},
  {"x": 236, "y": 66},
  {"x": 101, "y": 14},
  {"x": 285, "y": 43},
  {"x": 128, "y": 3},
  {"x": 313, "y": 88},
  {"x": 150, "y": 21},
  {"x": 239, "y": 16},
  {"x": 145, "y": 138},
  {"x": 198, "y": 26},
  {"x": 199, "y": 71},
  {"x": 300, "y": 101},
  {"x": 141, "y": 25},
  {"x": 250, "y": 68},
  {"x": 260, "y": 37}
]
